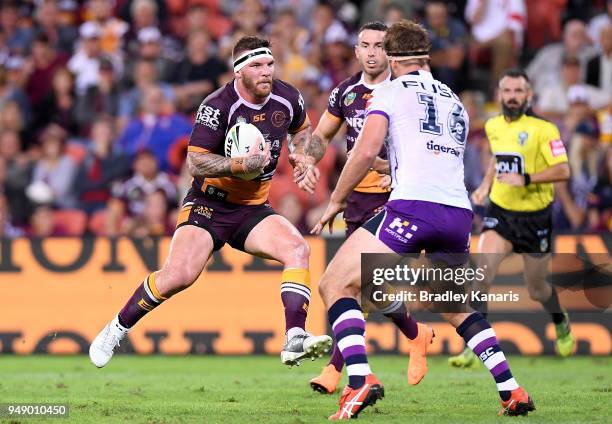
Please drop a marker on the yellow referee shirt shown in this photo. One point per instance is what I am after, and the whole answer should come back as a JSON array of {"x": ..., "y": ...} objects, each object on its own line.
[{"x": 527, "y": 145}]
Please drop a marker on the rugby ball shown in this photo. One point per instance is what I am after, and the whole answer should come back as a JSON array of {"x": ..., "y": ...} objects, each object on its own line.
[{"x": 241, "y": 139}]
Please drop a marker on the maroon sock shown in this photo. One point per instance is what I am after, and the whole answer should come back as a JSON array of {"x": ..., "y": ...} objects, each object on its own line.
[
  {"x": 336, "y": 358},
  {"x": 145, "y": 299},
  {"x": 402, "y": 319},
  {"x": 295, "y": 294}
]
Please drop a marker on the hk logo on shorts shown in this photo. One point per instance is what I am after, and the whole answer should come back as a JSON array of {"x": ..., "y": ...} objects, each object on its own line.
[{"x": 401, "y": 229}]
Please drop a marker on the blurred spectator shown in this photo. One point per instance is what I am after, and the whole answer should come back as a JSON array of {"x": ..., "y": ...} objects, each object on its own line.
[
  {"x": 85, "y": 63},
  {"x": 59, "y": 35},
  {"x": 145, "y": 78},
  {"x": 112, "y": 28},
  {"x": 394, "y": 12},
  {"x": 377, "y": 10},
  {"x": 55, "y": 168},
  {"x": 155, "y": 129},
  {"x": 10, "y": 92},
  {"x": 326, "y": 28},
  {"x": 448, "y": 45},
  {"x": 45, "y": 63},
  {"x": 599, "y": 21},
  {"x": 142, "y": 14},
  {"x": 99, "y": 169},
  {"x": 153, "y": 222},
  {"x": 130, "y": 197},
  {"x": 604, "y": 120},
  {"x": 16, "y": 38},
  {"x": 7, "y": 230},
  {"x": 497, "y": 27},
  {"x": 543, "y": 23},
  {"x": 545, "y": 69},
  {"x": 149, "y": 49},
  {"x": 554, "y": 100},
  {"x": 59, "y": 106},
  {"x": 287, "y": 40},
  {"x": 199, "y": 74},
  {"x": 12, "y": 120},
  {"x": 599, "y": 68},
  {"x": 101, "y": 100},
  {"x": 42, "y": 223},
  {"x": 599, "y": 212},
  {"x": 199, "y": 17},
  {"x": 18, "y": 175},
  {"x": 584, "y": 158}
]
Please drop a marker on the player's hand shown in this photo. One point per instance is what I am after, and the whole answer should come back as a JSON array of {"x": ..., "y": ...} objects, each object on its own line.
[
  {"x": 309, "y": 179},
  {"x": 385, "y": 182},
  {"x": 512, "y": 178},
  {"x": 257, "y": 159},
  {"x": 333, "y": 208},
  {"x": 479, "y": 196},
  {"x": 301, "y": 164}
]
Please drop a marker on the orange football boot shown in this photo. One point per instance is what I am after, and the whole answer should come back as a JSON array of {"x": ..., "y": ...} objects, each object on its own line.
[
  {"x": 417, "y": 364},
  {"x": 519, "y": 404},
  {"x": 353, "y": 401},
  {"x": 326, "y": 382}
]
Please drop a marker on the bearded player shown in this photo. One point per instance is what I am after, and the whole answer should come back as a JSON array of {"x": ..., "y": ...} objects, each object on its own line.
[
  {"x": 347, "y": 104},
  {"x": 427, "y": 127},
  {"x": 222, "y": 208}
]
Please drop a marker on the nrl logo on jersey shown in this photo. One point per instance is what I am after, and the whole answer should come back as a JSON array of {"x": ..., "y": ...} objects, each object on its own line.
[
  {"x": 350, "y": 98},
  {"x": 522, "y": 137}
]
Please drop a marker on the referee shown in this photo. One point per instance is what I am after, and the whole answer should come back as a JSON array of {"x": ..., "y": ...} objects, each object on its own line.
[{"x": 528, "y": 157}]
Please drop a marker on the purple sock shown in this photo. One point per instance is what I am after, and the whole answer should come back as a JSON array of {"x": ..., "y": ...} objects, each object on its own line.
[
  {"x": 295, "y": 295},
  {"x": 403, "y": 321},
  {"x": 336, "y": 358},
  {"x": 145, "y": 299}
]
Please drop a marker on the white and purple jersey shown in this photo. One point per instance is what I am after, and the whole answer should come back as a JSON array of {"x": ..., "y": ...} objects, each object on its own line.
[{"x": 428, "y": 129}]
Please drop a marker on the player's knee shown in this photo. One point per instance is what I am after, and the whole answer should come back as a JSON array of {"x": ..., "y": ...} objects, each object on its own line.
[
  {"x": 537, "y": 293},
  {"x": 295, "y": 253},
  {"x": 176, "y": 279}
]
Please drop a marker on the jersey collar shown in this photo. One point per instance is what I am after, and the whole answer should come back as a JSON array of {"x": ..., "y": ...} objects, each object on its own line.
[
  {"x": 373, "y": 86},
  {"x": 249, "y": 104}
]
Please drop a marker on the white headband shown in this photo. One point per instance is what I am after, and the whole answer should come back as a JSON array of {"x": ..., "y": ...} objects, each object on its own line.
[
  {"x": 408, "y": 55},
  {"x": 246, "y": 58}
]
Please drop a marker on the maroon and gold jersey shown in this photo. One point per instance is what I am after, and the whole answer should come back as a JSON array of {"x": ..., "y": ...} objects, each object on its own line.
[
  {"x": 282, "y": 113},
  {"x": 347, "y": 102}
]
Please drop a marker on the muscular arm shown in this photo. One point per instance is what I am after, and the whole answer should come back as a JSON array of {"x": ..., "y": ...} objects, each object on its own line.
[
  {"x": 212, "y": 165},
  {"x": 556, "y": 173},
  {"x": 366, "y": 149}
]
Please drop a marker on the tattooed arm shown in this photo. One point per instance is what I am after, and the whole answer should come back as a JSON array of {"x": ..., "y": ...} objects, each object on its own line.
[{"x": 212, "y": 165}]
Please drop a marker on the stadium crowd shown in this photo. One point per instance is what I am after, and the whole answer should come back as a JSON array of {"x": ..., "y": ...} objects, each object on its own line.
[{"x": 97, "y": 97}]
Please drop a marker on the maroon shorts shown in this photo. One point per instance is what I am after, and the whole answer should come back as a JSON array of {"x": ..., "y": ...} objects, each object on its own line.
[
  {"x": 360, "y": 207},
  {"x": 226, "y": 222}
]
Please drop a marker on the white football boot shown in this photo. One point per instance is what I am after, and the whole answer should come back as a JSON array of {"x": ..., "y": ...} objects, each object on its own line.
[{"x": 102, "y": 348}]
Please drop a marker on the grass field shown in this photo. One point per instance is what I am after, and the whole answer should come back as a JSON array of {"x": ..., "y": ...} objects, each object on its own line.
[{"x": 259, "y": 390}]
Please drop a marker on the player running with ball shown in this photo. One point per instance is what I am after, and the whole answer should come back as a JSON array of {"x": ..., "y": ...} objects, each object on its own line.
[
  {"x": 223, "y": 208},
  {"x": 428, "y": 209}
]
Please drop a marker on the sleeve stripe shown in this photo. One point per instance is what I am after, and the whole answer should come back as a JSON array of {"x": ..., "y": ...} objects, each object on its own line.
[
  {"x": 378, "y": 112},
  {"x": 196, "y": 149}
]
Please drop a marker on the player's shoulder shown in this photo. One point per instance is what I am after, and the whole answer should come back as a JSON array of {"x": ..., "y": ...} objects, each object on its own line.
[
  {"x": 284, "y": 89},
  {"x": 222, "y": 97},
  {"x": 349, "y": 82},
  {"x": 494, "y": 122},
  {"x": 539, "y": 122}
]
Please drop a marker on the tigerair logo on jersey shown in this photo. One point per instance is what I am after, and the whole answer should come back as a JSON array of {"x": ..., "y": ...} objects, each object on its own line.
[
  {"x": 509, "y": 163},
  {"x": 438, "y": 148}
]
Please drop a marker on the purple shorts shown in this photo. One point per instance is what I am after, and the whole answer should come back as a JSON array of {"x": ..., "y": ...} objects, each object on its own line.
[
  {"x": 410, "y": 226},
  {"x": 360, "y": 207}
]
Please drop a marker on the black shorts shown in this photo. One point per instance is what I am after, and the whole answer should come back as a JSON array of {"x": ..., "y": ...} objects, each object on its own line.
[
  {"x": 529, "y": 232},
  {"x": 226, "y": 222}
]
